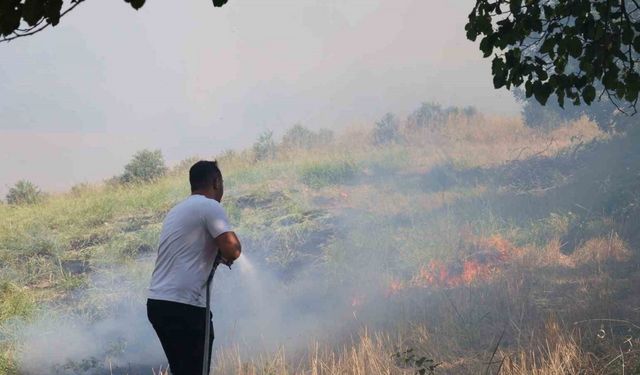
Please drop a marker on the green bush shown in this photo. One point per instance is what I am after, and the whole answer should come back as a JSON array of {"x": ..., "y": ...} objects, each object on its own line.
[
  {"x": 431, "y": 115},
  {"x": 24, "y": 192},
  {"x": 328, "y": 173},
  {"x": 386, "y": 130},
  {"x": 264, "y": 148},
  {"x": 146, "y": 165},
  {"x": 299, "y": 137}
]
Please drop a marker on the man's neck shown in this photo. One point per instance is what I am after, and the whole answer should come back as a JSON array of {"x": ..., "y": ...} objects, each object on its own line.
[{"x": 206, "y": 194}]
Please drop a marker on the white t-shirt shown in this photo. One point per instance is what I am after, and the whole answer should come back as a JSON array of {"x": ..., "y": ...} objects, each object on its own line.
[{"x": 186, "y": 250}]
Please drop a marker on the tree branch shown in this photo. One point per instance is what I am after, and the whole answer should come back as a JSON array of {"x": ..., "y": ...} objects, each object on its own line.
[{"x": 38, "y": 27}]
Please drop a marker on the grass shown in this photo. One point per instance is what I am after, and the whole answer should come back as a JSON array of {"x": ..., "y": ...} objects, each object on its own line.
[
  {"x": 449, "y": 240},
  {"x": 317, "y": 175}
]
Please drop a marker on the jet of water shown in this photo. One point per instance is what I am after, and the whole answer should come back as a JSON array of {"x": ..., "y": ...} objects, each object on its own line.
[{"x": 245, "y": 265}]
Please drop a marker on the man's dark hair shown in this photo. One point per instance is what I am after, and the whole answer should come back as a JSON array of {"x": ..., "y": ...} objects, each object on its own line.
[{"x": 204, "y": 174}]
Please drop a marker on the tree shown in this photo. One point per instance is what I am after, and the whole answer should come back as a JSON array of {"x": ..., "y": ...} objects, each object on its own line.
[
  {"x": 19, "y": 18},
  {"x": 146, "y": 165},
  {"x": 24, "y": 192},
  {"x": 534, "y": 42},
  {"x": 430, "y": 115},
  {"x": 386, "y": 130},
  {"x": 551, "y": 115},
  {"x": 265, "y": 147},
  {"x": 299, "y": 137}
]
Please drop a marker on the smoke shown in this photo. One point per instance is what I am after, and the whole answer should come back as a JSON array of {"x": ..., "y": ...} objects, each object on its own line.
[
  {"x": 104, "y": 329},
  {"x": 97, "y": 330}
]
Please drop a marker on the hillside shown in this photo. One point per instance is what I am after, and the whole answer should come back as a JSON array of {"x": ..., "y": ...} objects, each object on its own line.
[{"x": 468, "y": 243}]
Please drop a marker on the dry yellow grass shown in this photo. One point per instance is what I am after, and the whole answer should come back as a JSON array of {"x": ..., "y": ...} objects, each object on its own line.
[
  {"x": 368, "y": 354},
  {"x": 559, "y": 354}
]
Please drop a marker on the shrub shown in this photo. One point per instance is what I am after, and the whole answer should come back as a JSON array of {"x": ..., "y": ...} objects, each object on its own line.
[
  {"x": 184, "y": 165},
  {"x": 24, "y": 192},
  {"x": 426, "y": 115},
  {"x": 79, "y": 189},
  {"x": 323, "y": 137},
  {"x": 386, "y": 130},
  {"x": 146, "y": 165},
  {"x": 264, "y": 148},
  {"x": 551, "y": 115},
  {"x": 299, "y": 137},
  {"x": 432, "y": 114},
  {"x": 328, "y": 173}
]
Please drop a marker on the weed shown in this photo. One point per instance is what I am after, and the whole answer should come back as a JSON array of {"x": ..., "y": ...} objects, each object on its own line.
[{"x": 327, "y": 173}]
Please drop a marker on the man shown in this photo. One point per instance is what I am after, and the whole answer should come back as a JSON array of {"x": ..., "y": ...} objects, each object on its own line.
[{"x": 194, "y": 233}]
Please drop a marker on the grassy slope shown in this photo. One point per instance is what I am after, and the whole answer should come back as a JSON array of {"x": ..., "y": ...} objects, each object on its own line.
[{"x": 442, "y": 202}]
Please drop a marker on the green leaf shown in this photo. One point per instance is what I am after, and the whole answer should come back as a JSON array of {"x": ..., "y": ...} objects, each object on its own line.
[
  {"x": 52, "y": 10},
  {"x": 560, "y": 95},
  {"x": 610, "y": 79},
  {"x": 528, "y": 89},
  {"x": 514, "y": 6},
  {"x": 542, "y": 92},
  {"x": 588, "y": 94},
  {"x": 636, "y": 43},
  {"x": 574, "y": 46},
  {"x": 499, "y": 80},
  {"x": 32, "y": 11},
  {"x": 586, "y": 66},
  {"x": 487, "y": 44},
  {"x": 136, "y": 4},
  {"x": 547, "y": 45}
]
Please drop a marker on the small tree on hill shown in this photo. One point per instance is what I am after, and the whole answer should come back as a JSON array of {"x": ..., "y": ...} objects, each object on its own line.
[
  {"x": 146, "y": 165},
  {"x": 265, "y": 147},
  {"x": 386, "y": 130},
  {"x": 431, "y": 115},
  {"x": 24, "y": 192},
  {"x": 551, "y": 115},
  {"x": 299, "y": 137}
]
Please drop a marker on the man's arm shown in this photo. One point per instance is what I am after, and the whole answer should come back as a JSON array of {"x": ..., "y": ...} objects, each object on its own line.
[
  {"x": 229, "y": 247},
  {"x": 224, "y": 238}
]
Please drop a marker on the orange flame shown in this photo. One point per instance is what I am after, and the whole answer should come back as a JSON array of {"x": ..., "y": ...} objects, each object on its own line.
[
  {"x": 486, "y": 257},
  {"x": 395, "y": 286}
]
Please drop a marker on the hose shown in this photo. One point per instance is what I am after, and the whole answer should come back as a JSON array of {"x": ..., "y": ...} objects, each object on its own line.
[{"x": 207, "y": 319}]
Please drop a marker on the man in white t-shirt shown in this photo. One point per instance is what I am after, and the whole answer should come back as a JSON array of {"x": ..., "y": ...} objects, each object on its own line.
[{"x": 194, "y": 233}]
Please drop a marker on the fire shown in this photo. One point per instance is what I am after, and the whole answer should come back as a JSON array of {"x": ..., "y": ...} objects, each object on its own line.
[
  {"x": 395, "y": 286},
  {"x": 486, "y": 256}
]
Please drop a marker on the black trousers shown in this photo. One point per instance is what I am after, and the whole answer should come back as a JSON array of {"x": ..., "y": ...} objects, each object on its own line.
[{"x": 180, "y": 328}]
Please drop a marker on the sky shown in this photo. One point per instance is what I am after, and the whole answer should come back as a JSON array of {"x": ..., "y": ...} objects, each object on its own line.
[{"x": 78, "y": 100}]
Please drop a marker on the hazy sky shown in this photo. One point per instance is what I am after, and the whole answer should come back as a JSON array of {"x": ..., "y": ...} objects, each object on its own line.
[{"x": 79, "y": 99}]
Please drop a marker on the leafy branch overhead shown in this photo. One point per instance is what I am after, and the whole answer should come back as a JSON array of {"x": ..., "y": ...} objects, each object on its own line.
[
  {"x": 575, "y": 49},
  {"x": 20, "y": 18}
]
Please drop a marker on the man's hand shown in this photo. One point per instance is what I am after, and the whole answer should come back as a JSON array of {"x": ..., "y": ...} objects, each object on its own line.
[{"x": 229, "y": 247}]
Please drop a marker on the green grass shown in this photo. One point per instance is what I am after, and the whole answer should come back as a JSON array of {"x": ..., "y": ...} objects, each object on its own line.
[
  {"x": 15, "y": 302},
  {"x": 326, "y": 173}
]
